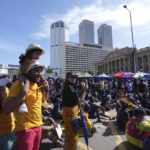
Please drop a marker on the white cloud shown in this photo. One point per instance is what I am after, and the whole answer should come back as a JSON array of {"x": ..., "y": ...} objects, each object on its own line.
[
  {"x": 99, "y": 13},
  {"x": 6, "y": 47}
]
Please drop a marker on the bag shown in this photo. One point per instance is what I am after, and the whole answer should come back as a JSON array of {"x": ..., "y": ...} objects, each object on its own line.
[
  {"x": 59, "y": 131},
  {"x": 76, "y": 124}
]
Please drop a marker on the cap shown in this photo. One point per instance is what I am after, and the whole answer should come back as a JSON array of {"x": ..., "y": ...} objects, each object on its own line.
[
  {"x": 71, "y": 74},
  {"x": 34, "y": 46},
  {"x": 34, "y": 64}
]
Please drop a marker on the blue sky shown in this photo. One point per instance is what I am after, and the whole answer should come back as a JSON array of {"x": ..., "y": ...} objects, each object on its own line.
[{"x": 28, "y": 21}]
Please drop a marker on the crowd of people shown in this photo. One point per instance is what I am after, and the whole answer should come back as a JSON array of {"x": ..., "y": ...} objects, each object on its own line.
[{"x": 31, "y": 106}]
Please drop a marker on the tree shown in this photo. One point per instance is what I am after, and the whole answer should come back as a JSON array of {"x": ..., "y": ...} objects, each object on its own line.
[{"x": 49, "y": 70}]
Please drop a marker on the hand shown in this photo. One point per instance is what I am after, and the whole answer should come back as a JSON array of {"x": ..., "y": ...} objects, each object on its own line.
[
  {"x": 24, "y": 85},
  {"x": 55, "y": 125}
]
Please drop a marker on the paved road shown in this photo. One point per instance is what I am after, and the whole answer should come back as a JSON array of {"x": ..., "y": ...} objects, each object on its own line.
[{"x": 107, "y": 137}]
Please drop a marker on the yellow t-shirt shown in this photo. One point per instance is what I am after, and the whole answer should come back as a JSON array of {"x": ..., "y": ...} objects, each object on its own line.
[
  {"x": 33, "y": 101},
  {"x": 101, "y": 85},
  {"x": 88, "y": 121},
  {"x": 7, "y": 123}
]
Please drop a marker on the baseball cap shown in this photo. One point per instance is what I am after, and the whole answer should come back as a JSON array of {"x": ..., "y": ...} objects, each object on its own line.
[
  {"x": 34, "y": 46},
  {"x": 71, "y": 75},
  {"x": 34, "y": 64}
]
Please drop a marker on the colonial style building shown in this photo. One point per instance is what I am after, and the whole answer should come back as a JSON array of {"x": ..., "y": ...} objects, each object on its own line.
[
  {"x": 121, "y": 59},
  {"x": 143, "y": 59}
]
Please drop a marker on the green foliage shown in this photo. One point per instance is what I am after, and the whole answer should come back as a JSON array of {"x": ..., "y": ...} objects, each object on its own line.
[{"x": 49, "y": 70}]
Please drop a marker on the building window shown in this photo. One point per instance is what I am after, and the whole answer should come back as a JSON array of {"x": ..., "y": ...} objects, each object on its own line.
[
  {"x": 57, "y": 24},
  {"x": 145, "y": 63},
  {"x": 126, "y": 65},
  {"x": 61, "y": 24},
  {"x": 118, "y": 69},
  {"x": 122, "y": 65},
  {"x": 139, "y": 63},
  {"x": 52, "y": 26}
]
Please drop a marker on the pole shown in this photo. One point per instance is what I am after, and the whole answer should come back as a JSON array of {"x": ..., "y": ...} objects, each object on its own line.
[{"x": 133, "y": 46}]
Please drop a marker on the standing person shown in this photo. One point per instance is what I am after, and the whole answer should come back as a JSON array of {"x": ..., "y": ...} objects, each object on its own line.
[
  {"x": 7, "y": 125},
  {"x": 71, "y": 106},
  {"x": 28, "y": 122}
]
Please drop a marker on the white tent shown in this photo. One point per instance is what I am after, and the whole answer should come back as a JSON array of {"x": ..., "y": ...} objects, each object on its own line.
[{"x": 140, "y": 74}]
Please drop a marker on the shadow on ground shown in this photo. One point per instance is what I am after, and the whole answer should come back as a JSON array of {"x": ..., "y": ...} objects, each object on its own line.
[
  {"x": 127, "y": 145},
  {"x": 48, "y": 146},
  {"x": 108, "y": 130}
]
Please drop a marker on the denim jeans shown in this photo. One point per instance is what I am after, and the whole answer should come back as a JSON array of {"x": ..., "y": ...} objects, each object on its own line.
[{"x": 7, "y": 141}]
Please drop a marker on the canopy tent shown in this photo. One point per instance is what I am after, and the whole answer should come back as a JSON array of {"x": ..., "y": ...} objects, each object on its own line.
[
  {"x": 140, "y": 74},
  {"x": 102, "y": 76},
  {"x": 83, "y": 75},
  {"x": 127, "y": 74},
  {"x": 147, "y": 76},
  {"x": 51, "y": 77},
  {"x": 118, "y": 74},
  {"x": 122, "y": 74}
]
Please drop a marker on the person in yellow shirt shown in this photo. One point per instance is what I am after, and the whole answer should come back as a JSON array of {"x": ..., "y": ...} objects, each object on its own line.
[
  {"x": 7, "y": 125},
  {"x": 28, "y": 118}
]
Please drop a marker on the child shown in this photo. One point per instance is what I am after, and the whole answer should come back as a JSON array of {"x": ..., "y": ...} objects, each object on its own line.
[{"x": 33, "y": 52}]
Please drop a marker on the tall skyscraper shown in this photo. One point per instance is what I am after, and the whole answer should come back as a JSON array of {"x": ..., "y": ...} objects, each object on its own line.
[
  {"x": 105, "y": 35},
  {"x": 59, "y": 35},
  {"x": 86, "y": 32}
]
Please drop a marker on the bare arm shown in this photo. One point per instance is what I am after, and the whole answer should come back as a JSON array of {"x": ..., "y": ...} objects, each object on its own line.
[
  {"x": 13, "y": 102},
  {"x": 82, "y": 97}
]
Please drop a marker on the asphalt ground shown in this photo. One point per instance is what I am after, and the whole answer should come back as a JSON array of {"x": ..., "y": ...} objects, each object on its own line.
[{"x": 107, "y": 137}]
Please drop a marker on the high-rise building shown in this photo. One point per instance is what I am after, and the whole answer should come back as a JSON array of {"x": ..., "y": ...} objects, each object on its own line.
[
  {"x": 59, "y": 34},
  {"x": 82, "y": 57},
  {"x": 86, "y": 32},
  {"x": 105, "y": 35}
]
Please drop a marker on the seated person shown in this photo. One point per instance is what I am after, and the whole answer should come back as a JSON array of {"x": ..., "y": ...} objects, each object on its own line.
[
  {"x": 138, "y": 129},
  {"x": 48, "y": 131},
  {"x": 89, "y": 124},
  {"x": 123, "y": 116}
]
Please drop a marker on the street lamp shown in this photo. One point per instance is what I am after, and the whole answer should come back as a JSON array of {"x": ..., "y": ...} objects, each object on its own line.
[{"x": 133, "y": 52}]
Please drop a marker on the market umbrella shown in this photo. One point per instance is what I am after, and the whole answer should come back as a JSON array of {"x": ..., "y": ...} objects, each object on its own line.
[
  {"x": 85, "y": 129},
  {"x": 127, "y": 74},
  {"x": 147, "y": 76},
  {"x": 118, "y": 74},
  {"x": 122, "y": 74}
]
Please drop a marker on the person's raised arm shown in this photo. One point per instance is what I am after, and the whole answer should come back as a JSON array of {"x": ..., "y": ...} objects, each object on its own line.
[{"x": 13, "y": 102}]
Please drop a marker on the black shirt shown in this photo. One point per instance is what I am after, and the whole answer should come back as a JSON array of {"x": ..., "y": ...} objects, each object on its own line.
[{"x": 69, "y": 95}]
